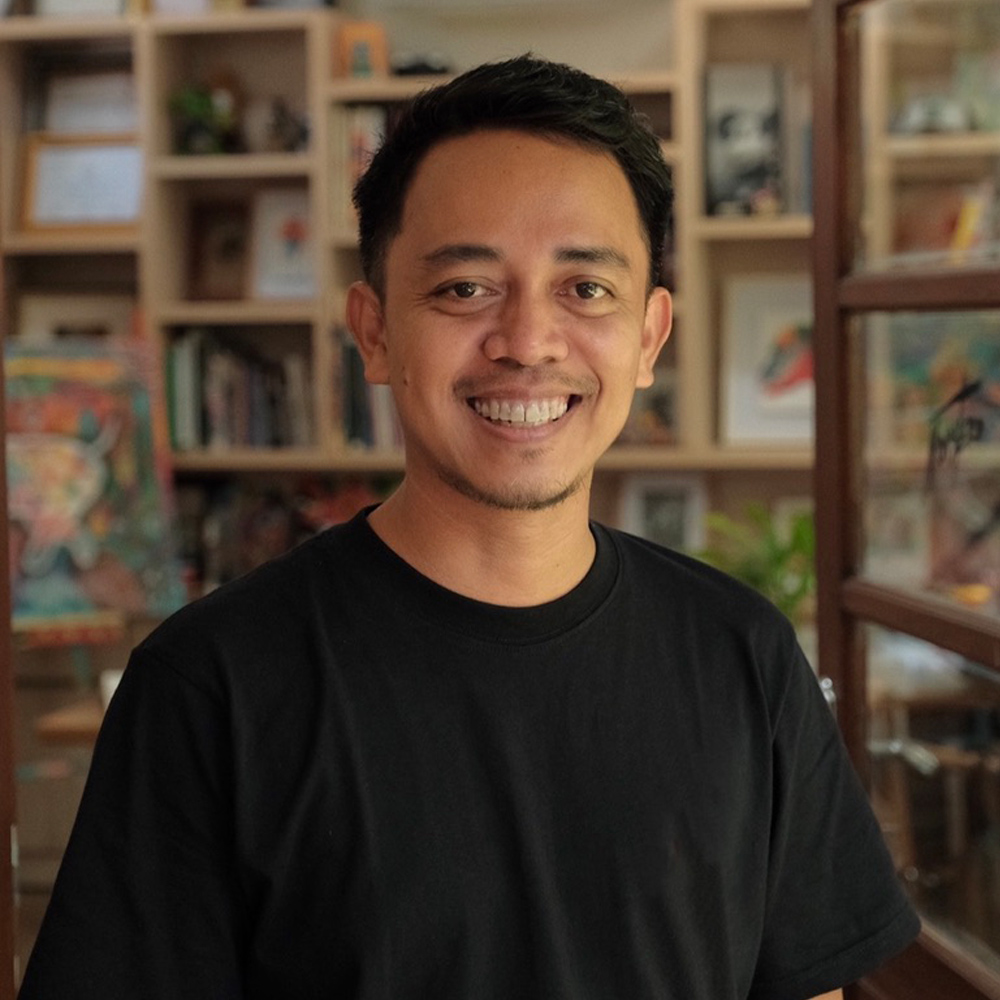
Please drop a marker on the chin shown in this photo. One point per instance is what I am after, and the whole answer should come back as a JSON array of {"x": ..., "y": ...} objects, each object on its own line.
[{"x": 517, "y": 496}]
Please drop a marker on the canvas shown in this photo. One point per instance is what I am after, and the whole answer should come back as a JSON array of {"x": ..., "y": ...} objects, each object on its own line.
[{"x": 90, "y": 510}]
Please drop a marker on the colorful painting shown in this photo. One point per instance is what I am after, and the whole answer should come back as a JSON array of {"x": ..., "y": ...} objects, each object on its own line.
[
  {"x": 767, "y": 360},
  {"x": 91, "y": 518}
]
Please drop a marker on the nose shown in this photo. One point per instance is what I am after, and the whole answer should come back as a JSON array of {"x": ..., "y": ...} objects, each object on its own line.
[{"x": 528, "y": 332}]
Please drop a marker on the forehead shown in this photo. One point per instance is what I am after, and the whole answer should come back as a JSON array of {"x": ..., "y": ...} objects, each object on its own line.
[{"x": 498, "y": 175}]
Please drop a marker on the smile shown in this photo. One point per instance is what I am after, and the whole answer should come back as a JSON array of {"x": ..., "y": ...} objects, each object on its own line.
[{"x": 518, "y": 413}]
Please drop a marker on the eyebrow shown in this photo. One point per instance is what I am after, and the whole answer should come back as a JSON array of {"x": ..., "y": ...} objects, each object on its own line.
[
  {"x": 593, "y": 255},
  {"x": 463, "y": 253}
]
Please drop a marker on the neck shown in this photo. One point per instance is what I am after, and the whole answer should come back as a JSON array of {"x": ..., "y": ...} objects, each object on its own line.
[{"x": 510, "y": 558}]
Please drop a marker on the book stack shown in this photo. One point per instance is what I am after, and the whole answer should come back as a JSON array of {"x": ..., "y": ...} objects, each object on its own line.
[{"x": 222, "y": 394}]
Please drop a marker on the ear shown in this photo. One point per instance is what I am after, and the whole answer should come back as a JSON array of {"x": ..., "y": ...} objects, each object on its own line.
[
  {"x": 655, "y": 331},
  {"x": 367, "y": 325}
]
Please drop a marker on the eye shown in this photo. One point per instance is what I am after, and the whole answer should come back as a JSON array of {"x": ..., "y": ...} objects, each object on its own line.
[
  {"x": 590, "y": 290},
  {"x": 462, "y": 290}
]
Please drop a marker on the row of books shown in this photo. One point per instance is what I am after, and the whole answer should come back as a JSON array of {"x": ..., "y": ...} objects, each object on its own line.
[
  {"x": 223, "y": 394},
  {"x": 368, "y": 412}
]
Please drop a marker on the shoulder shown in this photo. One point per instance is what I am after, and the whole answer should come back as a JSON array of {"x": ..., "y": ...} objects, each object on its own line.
[
  {"x": 722, "y": 630},
  {"x": 699, "y": 588}
]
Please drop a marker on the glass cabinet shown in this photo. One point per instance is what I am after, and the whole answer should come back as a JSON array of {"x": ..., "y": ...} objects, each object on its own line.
[{"x": 907, "y": 341}]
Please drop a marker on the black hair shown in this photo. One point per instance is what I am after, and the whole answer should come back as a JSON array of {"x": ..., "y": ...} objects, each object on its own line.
[{"x": 525, "y": 94}]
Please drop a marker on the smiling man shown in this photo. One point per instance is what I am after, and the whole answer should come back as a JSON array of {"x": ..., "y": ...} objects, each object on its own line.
[{"x": 471, "y": 745}]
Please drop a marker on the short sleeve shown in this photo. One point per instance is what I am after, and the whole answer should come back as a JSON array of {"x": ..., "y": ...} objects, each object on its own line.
[
  {"x": 146, "y": 902},
  {"x": 835, "y": 910}
]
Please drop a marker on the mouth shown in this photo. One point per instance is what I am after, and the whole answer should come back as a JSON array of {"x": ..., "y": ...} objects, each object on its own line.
[{"x": 522, "y": 412}]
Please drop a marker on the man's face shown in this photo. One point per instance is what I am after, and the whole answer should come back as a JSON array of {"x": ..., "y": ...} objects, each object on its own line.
[{"x": 515, "y": 324}]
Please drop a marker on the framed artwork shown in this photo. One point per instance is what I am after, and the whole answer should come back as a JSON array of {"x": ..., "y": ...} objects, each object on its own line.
[
  {"x": 88, "y": 103},
  {"x": 44, "y": 319},
  {"x": 362, "y": 49},
  {"x": 283, "y": 247},
  {"x": 767, "y": 360},
  {"x": 89, "y": 498},
  {"x": 665, "y": 508},
  {"x": 743, "y": 153},
  {"x": 82, "y": 182},
  {"x": 220, "y": 250},
  {"x": 897, "y": 535},
  {"x": 930, "y": 374}
]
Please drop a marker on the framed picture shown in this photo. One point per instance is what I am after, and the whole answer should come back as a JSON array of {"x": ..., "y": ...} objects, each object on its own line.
[
  {"x": 743, "y": 138},
  {"x": 91, "y": 517},
  {"x": 767, "y": 360},
  {"x": 45, "y": 319},
  {"x": 220, "y": 250},
  {"x": 86, "y": 103},
  {"x": 283, "y": 246},
  {"x": 665, "y": 508},
  {"x": 362, "y": 49},
  {"x": 82, "y": 182},
  {"x": 930, "y": 374},
  {"x": 897, "y": 535}
]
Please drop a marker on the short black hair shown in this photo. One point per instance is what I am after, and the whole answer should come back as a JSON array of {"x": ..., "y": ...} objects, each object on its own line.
[{"x": 525, "y": 94}]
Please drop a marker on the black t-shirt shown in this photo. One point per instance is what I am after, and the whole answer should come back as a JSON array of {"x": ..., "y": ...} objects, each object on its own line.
[{"x": 336, "y": 779}]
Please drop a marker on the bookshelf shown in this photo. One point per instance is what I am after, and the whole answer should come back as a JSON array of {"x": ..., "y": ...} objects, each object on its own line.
[{"x": 262, "y": 54}]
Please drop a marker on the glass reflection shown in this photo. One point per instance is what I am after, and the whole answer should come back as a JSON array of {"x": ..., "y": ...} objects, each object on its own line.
[
  {"x": 931, "y": 498},
  {"x": 928, "y": 133},
  {"x": 934, "y": 726}
]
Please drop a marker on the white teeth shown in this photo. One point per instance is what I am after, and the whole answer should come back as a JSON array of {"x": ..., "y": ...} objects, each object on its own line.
[{"x": 531, "y": 414}]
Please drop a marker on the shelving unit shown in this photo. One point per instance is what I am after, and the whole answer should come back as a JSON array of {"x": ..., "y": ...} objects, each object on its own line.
[
  {"x": 289, "y": 53},
  {"x": 907, "y": 330}
]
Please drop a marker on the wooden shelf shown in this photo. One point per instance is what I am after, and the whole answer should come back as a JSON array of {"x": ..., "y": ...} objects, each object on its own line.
[
  {"x": 654, "y": 458},
  {"x": 74, "y": 725},
  {"x": 66, "y": 242},
  {"x": 248, "y": 311},
  {"x": 235, "y": 165},
  {"x": 754, "y": 227},
  {"x": 31, "y": 28},
  {"x": 957, "y": 145},
  {"x": 248, "y": 20},
  {"x": 269, "y": 460}
]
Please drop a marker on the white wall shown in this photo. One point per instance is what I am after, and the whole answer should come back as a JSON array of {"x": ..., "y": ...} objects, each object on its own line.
[{"x": 601, "y": 36}]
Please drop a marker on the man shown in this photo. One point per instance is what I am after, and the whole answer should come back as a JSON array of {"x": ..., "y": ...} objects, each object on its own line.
[{"x": 471, "y": 746}]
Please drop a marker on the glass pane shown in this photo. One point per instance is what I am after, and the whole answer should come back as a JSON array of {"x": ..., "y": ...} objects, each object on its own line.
[
  {"x": 930, "y": 490},
  {"x": 927, "y": 133},
  {"x": 934, "y": 747}
]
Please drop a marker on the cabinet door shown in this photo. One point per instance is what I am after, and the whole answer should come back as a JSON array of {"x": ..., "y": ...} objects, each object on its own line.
[{"x": 907, "y": 255}]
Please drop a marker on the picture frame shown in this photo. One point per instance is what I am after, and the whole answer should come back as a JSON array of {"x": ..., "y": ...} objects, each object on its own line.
[
  {"x": 51, "y": 317},
  {"x": 666, "y": 508},
  {"x": 91, "y": 525},
  {"x": 90, "y": 103},
  {"x": 220, "y": 250},
  {"x": 283, "y": 251},
  {"x": 897, "y": 535},
  {"x": 767, "y": 389},
  {"x": 362, "y": 49},
  {"x": 743, "y": 138},
  {"x": 77, "y": 182}
]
